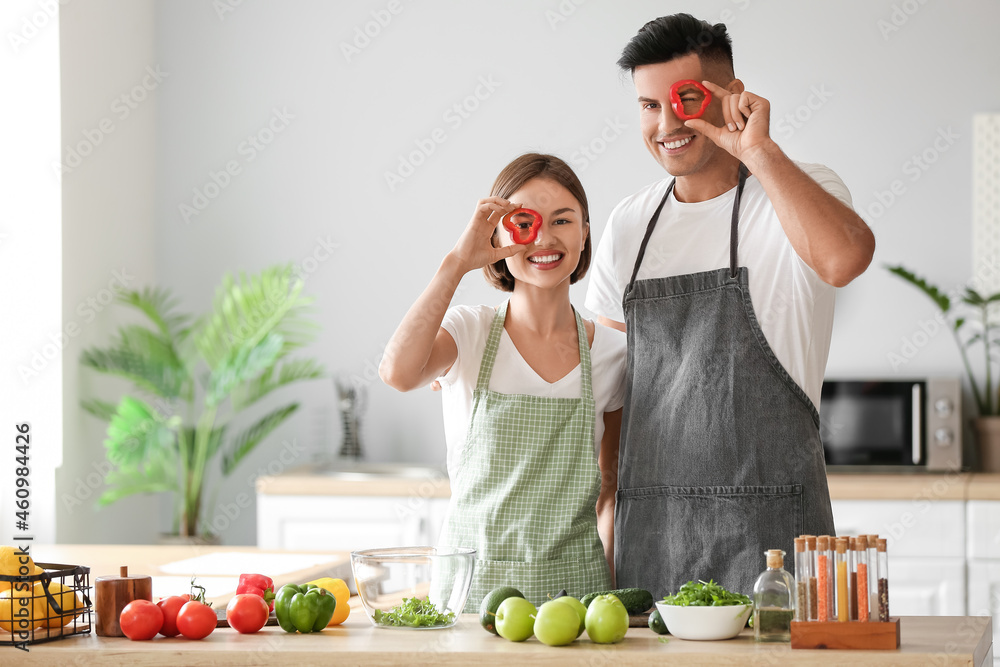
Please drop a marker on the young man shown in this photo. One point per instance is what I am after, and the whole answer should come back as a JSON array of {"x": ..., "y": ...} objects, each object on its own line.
[{"x": 724, "y": 279}]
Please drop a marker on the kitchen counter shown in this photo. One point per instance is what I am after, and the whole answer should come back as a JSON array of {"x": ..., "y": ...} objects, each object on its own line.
[
  {"x": 843, "y": 486},
  {"x": 940, "y": 641}
]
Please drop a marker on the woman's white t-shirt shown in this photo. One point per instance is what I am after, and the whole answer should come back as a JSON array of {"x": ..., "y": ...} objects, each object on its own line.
[
  {"x": 470, "y": 327},
  {"x": 793, "y": 305}
]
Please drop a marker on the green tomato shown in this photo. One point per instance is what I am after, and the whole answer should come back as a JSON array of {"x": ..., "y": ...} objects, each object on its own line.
[
  {"x": 516, "y": 619},
  {"x": 556, "y": 624},
  {"x": 607, "y": 620},
  {"x": 581, "y": 610}
]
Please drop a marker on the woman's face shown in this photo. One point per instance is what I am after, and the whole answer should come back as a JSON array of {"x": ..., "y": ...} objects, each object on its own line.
[{"x": 554, "y": 254}]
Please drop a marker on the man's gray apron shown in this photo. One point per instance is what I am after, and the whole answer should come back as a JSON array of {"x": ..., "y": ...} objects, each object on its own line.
[{"x": 720, "y": 454}]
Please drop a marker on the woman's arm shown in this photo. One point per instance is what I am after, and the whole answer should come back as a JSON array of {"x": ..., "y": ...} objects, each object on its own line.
[
  {"x": 608, "y": 463},
  {"x": 421, "y": 349}
]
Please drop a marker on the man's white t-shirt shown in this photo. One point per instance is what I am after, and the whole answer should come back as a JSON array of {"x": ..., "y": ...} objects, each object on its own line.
[
  {"x": 794, "y": 307},
  {"x": 470, "y": 327}
]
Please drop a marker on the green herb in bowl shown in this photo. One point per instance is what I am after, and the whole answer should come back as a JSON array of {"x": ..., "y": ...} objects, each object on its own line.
[
  {"x": 705, "y": 594},
  {"x": 414, "y": 613}
]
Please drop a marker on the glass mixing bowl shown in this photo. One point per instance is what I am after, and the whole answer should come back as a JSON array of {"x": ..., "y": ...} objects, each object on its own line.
[{"x": 393, "y": 582}]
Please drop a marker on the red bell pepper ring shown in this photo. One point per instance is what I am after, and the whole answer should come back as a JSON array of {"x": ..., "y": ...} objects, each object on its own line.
[
  {"x": 678, "y": 105},
  {"x": 257, "y": 584},
  {"x": 519, "y": 234}
]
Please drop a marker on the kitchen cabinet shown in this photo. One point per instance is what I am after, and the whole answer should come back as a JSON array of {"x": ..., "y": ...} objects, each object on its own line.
[
  {"x": 984, "y": 560},
  {"x": 926, "y": 542}
]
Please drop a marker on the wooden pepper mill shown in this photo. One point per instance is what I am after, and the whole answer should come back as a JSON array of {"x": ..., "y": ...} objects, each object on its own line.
[{"x": 112, "y": 594}]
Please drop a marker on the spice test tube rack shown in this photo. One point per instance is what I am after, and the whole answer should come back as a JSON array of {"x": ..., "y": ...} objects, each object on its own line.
[{"x": 873, "y": 635}]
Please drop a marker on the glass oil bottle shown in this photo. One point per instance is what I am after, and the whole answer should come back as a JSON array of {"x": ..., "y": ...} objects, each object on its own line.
[{"x": 773, "y": 601}]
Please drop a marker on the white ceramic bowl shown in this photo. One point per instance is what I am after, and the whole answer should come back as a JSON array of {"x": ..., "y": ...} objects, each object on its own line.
[
  {"x": 704, "y": 623},
  {"x": 442, "y": 574}
]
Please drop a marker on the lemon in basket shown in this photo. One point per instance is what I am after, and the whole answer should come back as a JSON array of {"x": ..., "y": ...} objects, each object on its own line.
[
  {"x": 68, "y": 601},
  {"x": 10, "y": 565},
  {"x": 12, "y": 604}
]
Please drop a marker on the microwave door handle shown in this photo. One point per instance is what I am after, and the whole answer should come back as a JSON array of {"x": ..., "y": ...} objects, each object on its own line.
[{"x": 918, "y": 421}]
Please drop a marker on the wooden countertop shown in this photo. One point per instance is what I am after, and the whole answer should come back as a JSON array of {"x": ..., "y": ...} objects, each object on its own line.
[
  {"x": 940, "y": 641},
  {"x": 843, "y": 486},
  {"x": 306, "y": 482}
]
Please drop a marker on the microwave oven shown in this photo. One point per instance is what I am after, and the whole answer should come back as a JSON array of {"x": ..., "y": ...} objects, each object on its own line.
[{"x": 915, "y": 424}]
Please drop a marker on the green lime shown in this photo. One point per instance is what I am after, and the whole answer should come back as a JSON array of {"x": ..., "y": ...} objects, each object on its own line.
[
  {"x": 656, "y": 623},
  {"x": 490, "y": 604}
]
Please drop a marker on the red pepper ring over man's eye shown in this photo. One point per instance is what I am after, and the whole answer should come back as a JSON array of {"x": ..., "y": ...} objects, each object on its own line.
[
  {"x": 689, "y": 99},
  {"x": 523, "y": 224}
]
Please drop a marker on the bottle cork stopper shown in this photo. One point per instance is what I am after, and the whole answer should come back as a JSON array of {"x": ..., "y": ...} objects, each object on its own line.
[
  {"x": 872, "y": 540},
  {"x": 823, "y": 542},
  {"x": 841, "y": 545},
  {"x": 775, "y": 558},
  {"x": 880, "y": 544},
  {"x": 811, "y": 542},
  {"x": 852, "y": 544},
  {"x": 800, "y": 544},
  {"x": 862, "y": 542}
]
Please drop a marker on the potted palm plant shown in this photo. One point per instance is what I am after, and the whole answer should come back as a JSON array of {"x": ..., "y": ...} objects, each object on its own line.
[
  {"x": 967, "y": 317},
  {"x": 192, "y": 379}
]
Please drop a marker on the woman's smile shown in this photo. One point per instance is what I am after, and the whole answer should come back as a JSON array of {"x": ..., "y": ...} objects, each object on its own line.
[{"x": 545, "y": 260}]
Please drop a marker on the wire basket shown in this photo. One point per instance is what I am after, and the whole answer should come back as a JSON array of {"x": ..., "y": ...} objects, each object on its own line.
[{"x": 38, "y": 606}]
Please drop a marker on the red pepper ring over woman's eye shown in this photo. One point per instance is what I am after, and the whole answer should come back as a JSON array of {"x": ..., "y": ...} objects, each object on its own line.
[
  {"x": 523, "y": 224},
  {"x": 689, "y": 99}
]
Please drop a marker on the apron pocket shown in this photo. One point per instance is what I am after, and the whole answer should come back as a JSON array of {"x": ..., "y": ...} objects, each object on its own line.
[
  {"x": 678, "y": 534},
  {"x": 539, "y": 579}
]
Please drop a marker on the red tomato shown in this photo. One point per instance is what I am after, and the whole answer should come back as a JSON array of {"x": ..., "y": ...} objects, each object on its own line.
[
  {"x": 247, "y": 613},
  {"x": 170, "y": 606},
  {"x": 140, "y": 619},
  {"x": 196, "y": 620}
]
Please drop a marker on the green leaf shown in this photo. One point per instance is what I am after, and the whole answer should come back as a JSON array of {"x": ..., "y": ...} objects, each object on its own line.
[
  {"x": 137, "y": 434},
  {"x": 973, "y": 298},
  {"x": 289, "y": 372},
  {"x": 959, "y": 322},
  {"x": 127, "y": 484},
  {"x": 246, "y": 311},
  {"x": 935, "y": 294},
  {"x": 157, "y": 472},
  {"x": 243, "y": 365},
  {"x": 100, "y": 409},
  {"x": 251, "y": 437},
  {"x": 142, "y": 356},
  {"x": 158, "y": 305}
]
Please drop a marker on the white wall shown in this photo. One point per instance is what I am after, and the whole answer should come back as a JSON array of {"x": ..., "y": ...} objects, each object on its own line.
[
  {"x": 868, "y": 100},
  {"x": 31, "y": 333},
  {"x": 108, "y": 121}
]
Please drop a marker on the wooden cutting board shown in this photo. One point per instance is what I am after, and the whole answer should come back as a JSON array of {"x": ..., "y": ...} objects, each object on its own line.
[{"x": 221, "y": 622}]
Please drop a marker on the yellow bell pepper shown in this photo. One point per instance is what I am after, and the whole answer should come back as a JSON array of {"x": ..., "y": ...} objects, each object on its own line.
[{"x": 340, "y": 591}]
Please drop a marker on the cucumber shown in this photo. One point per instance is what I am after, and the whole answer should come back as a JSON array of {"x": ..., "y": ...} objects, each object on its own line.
[{"x": 636, "y": 600}]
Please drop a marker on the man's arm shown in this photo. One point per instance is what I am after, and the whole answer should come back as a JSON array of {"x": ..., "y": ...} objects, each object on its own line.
[
  {"x": 614, "y": 324},
  {"x": 831, "y": 238}
]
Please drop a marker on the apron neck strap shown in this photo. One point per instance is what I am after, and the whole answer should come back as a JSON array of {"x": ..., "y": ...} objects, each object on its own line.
[
  {"x": 493, "y": 343},
  {"x": 733, "y": 238},
  {"x": 734, "y": 226}
]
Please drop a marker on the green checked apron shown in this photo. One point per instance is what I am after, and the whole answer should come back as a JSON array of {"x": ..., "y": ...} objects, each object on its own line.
[{"x": 527, "y": 487}]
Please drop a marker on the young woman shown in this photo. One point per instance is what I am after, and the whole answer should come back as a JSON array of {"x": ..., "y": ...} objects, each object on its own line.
[{"x": 531, "y": 391}]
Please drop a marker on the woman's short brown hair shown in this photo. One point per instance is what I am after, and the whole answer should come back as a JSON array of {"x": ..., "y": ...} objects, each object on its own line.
[{"x": 510, "y": 180}]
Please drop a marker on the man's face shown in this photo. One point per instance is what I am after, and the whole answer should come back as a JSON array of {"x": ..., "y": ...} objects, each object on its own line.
[{"x": 678, "y": 149}]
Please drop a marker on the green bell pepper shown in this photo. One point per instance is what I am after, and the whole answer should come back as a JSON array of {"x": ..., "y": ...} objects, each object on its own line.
[{"x": 305, "y": 608}]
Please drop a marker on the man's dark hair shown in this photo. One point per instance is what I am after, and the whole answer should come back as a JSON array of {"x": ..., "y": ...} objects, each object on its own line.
[{"x": 668, "y": 37}]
